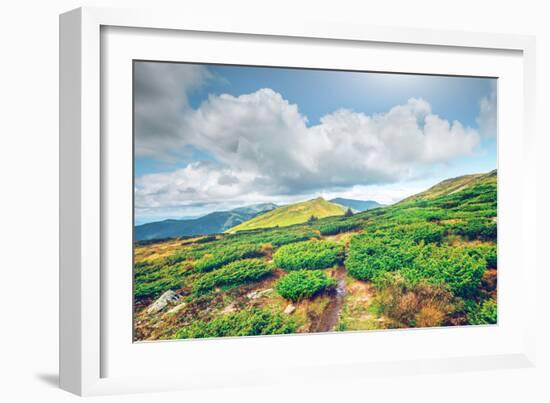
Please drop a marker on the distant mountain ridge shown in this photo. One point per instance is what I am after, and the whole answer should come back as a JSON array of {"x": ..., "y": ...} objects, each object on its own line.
[
  {"x": 290, "y": 214},
  {"x": 357, "y": 205},
  {"x": 216, "y": 222},
  {"x": 269, "y": 215}
]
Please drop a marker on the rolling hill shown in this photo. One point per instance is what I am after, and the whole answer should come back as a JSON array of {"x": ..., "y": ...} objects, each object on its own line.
[
  {"x": 291, "y": 214},
  {"x": 212, "y": 223},
  {"x": 453, "y": 185},
  {"x": 357, "y": 205}
]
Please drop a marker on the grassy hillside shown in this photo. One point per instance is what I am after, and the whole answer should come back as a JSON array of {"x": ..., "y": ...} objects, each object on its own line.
[
  {"x": 430, "y": 260},
  {"x": 452, "y": 185},
  {"x": 292, "y": 214}
]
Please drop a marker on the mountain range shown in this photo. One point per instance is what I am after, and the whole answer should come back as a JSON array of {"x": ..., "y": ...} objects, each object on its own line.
[
  {"x": 263, "y": 215},
  {"x": 269, "y": 215},
  {"x": 216, "y": 222},
  {"x": 357, "y": 205}
]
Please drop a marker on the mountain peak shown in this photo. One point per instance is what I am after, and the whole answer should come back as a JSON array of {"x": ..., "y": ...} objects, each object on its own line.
[{"x": 291, "y": 214}]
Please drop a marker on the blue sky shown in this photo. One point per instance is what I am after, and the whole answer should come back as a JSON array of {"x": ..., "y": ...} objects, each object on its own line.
[{"x": 222, "y": 122}]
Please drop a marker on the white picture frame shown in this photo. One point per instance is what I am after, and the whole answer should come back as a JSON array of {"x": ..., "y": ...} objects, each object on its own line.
[{"x": 87, "y": 317}]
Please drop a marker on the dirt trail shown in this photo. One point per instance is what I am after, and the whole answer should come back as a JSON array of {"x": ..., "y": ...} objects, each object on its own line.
[{"x": 329, "y": 318}]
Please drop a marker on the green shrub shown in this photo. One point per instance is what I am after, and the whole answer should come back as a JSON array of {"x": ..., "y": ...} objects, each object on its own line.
[
  {"x": 249, "y": 322},
  {"x": 227, "y": 254},
  {"x": 154, "y": 289},
  {"x": 483, "y": 314},
  {"x": 370, "y": 256},
  {"x": 151, "y": 280},
  {"x": 308, "y": 255},
  {"x": 333, "y": 228},
  {"x": 460, "y": 271},
  {"x": 275, "y": 236},
  {"x": 487, "y": 252},
  {"x": 235, "y": 273},
  {"x": 312, "y": 219},
  {"x": 206, "y": 239},
  {"x": 301, "y": 284},
  {"x": 423, "y": 231},
  {"x": 408, "y": 229},
  {"x": 477, "y": 229},
  {"x": 177, "y": 257}
]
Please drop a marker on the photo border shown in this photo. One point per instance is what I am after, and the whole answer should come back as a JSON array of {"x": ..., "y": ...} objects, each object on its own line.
[{"x": 134, "y": 61}]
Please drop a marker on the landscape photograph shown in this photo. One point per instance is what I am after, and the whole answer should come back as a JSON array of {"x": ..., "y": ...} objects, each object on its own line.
[{"x": 271, "y": 201}]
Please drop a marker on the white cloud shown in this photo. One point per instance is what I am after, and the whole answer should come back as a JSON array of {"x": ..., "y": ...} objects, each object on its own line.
[
  {"x": 160, "y": 99},
  {"x": 265, "y": 150},
  {"x": 487, "y": 119},
  {"x": 198, "y": 182}
]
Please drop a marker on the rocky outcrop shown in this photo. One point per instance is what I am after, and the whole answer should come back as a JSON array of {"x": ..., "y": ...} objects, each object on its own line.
[{"x": 162, "y": 302}]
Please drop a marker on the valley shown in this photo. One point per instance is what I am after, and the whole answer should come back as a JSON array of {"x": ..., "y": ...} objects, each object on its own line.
[{"x": 317, "y": 266}]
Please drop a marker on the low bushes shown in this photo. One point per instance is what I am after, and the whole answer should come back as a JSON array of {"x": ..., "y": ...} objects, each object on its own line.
[
  {"x": 485, "y": 251},
  {"x": 249, "y": 322},
  {"x": 477, "y": 229},
  {"x": 423, "y": 232},
  {"x": 333, "y": 228},
  {"x": 227, "y": 254},
  {"x": 460, "y": 271},
  {"x": 302, "y": 284},
  {"x": 370, "y": 256},
  {"x": 206, "y": 239},
  {"x": 154, "y": 289},
  {"x": 151, "y": 280},
  {"x": 461, "y": 268},
  {"x": 235, "y": 273},
  {"x": 276, "y": 237},
  {"x": 308, "y": 255},
  {"x": 484, "y": 313}
]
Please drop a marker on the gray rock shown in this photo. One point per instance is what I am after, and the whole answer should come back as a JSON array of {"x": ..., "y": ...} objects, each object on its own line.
[
  {"x": 289, "y": 309},
  {"x": 162, "y": 302},
  {"x": 177, "y": 308},
  {"x": 258, "y": 294}
]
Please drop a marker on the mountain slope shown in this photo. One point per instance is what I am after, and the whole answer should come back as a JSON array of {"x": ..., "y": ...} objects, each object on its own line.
[
  {"x": 357, "y": 205},
  {"x": 212, "y": 223},
  {"x": 453, "y": 185},
  {"x": 291, "y": 214}
]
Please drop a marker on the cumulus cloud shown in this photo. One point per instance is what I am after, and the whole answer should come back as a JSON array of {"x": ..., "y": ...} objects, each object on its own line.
[
  {"x": 160, "y": 100},
  {"x": 198, "y": 181},
  {"x": 264, "y": 147}
]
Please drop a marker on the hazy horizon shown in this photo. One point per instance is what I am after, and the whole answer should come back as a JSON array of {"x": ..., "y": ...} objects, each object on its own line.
[{"x": 214, "y": 138}]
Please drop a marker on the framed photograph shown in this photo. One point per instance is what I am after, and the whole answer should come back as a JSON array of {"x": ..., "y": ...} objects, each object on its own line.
[{"x": 332, "y": 199}]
